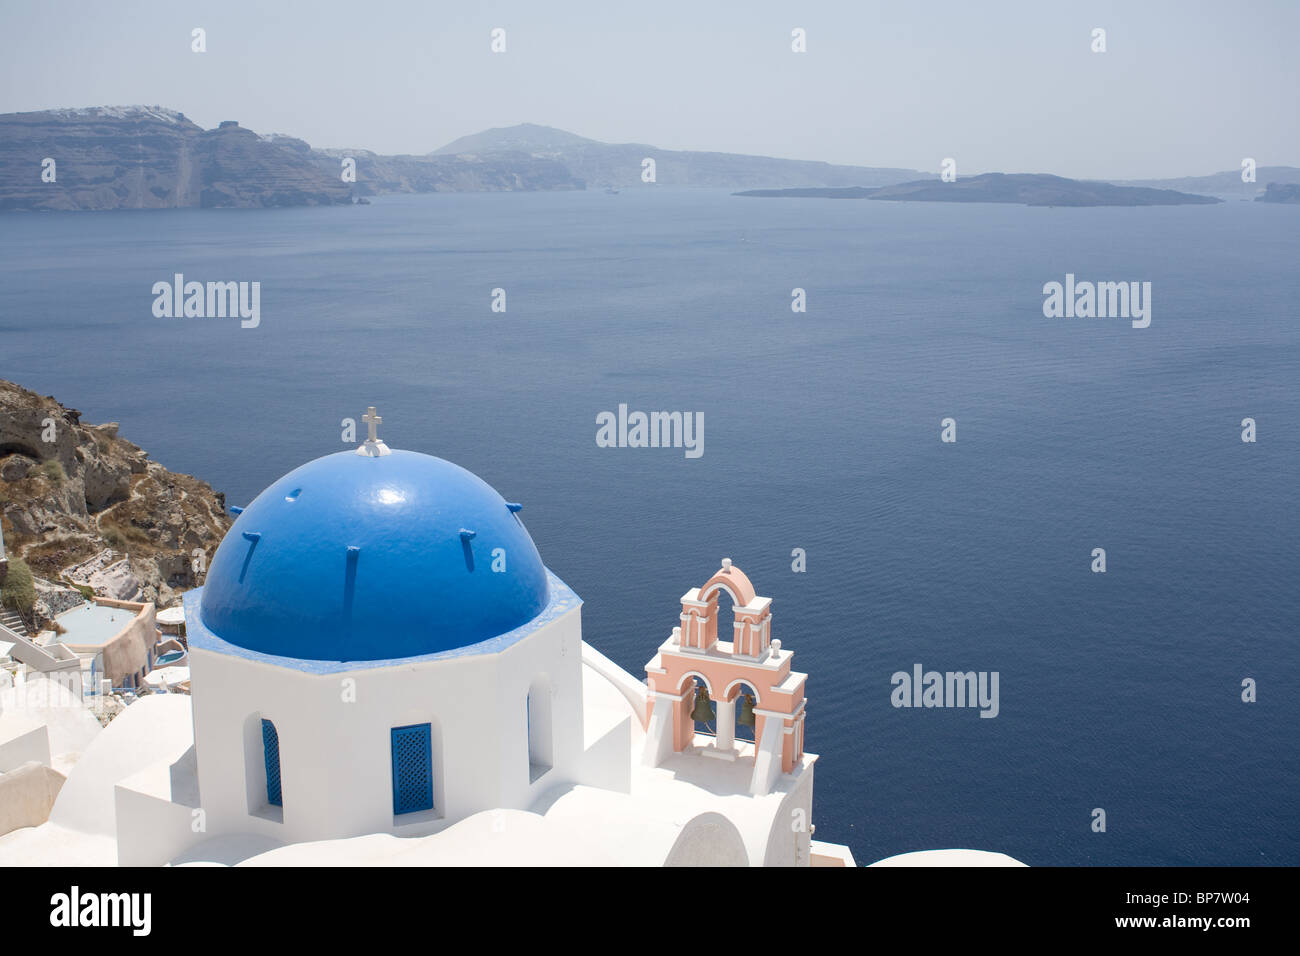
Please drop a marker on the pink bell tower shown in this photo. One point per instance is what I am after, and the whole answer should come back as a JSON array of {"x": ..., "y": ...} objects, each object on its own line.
[{"x": 750, "y": 658}]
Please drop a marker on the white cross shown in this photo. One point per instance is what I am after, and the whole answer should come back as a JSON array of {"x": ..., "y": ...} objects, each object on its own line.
[{"x": 372, "y": 422}]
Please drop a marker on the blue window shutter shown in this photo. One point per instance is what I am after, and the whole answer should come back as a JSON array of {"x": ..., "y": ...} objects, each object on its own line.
[
  {"x": 271, "y": 748},
  {"x": 412, "y": 769}
]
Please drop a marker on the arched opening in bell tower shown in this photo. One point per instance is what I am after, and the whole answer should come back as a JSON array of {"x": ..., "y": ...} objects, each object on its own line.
[
  {"x": 744, "y": 698},
  {"x": 701, "y": 707}
]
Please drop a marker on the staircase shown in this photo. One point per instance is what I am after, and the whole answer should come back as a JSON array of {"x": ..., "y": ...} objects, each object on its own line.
[{"x": 11, "y": 620}]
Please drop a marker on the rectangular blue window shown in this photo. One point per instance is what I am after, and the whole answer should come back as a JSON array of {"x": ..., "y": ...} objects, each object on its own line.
[
  {"x": 412, "y": 769},
  {"x": 271, "y": 749}
]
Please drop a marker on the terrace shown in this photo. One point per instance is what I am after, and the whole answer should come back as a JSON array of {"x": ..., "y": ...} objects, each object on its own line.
[{"x": 118, "y": 638}]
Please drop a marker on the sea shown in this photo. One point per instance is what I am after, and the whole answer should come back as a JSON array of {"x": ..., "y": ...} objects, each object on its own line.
[{"x": 1162, "y": 692}]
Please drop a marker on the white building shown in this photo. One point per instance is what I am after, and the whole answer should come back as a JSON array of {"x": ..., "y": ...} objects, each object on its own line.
[{"x": 384, "y": 671}]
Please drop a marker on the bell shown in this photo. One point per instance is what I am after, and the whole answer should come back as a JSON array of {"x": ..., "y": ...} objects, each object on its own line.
[
  {"x": 746, "y": 715},
  {"x": 703, "y": 709}
]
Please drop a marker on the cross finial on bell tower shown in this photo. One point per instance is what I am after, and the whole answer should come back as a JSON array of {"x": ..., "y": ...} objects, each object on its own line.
[{"x": 373, "y": 447}]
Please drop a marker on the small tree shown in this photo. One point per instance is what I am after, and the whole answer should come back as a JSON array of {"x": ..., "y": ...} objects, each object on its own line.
[{"x": 19, "y": 590}]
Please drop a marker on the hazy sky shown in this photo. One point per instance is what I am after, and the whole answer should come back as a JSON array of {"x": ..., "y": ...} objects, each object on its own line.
[{"x": 1184, "y": 87}]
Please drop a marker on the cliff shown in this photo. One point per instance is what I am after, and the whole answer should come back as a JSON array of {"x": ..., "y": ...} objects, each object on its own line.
[
  {"x": 105, "y": 158},
  {"x": 149, "y": 157},
  {"x": 242, "y": 170},
  {"x": 137, "y": 157},
  {"x": 80, "y": 503}
]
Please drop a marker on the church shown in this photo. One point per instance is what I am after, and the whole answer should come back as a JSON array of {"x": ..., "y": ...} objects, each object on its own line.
[{"x": 384, "y": 671}]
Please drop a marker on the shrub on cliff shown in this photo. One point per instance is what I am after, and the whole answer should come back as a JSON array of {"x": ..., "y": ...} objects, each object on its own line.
[
  {"x": 86, "y": 591},
  {"x": 53, "y": 470},
  {"x": 18, "y": 591}
]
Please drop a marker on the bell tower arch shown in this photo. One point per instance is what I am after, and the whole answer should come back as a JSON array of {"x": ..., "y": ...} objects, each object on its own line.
[{"x": 749, "y": 671}]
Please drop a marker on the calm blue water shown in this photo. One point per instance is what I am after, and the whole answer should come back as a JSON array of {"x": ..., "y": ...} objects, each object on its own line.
[{"x": 1119, "y": 691}]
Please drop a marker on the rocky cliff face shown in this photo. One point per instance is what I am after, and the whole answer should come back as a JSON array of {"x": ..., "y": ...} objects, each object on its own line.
[
  {"x": 241, "y": 169},
  {"x": 139, "y": 157},
  {"x": 104, "y": 158},
  {"x": 79, "y": 503}
]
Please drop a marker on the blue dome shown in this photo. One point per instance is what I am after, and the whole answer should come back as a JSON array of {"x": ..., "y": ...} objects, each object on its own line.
[{"x": 354, "y": 558}]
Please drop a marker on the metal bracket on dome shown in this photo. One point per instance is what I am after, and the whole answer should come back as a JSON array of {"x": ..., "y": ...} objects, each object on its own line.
[
  {"x": 514, "y": 506},
  {"x": 350, "y": 582},
  {"x": 466, "y": 536},
  {"x": 252, "y": 537}
]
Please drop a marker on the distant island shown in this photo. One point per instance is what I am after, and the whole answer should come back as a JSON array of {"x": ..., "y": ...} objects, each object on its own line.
[
  {"x": 812, "y": 192},
  {"x": 1225, "y": 185},
  {"x": 152, "y": 157},
  {"x": 1281, "y": 192},
  {"x": 1026, "y": 189}
]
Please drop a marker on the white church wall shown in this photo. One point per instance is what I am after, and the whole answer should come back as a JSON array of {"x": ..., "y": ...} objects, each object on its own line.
[
  {"x": 227, "y": 695},
  {"x": 610, "y": 723},
  {"x": 335, "y": 736},
  {"x": 607, "y": 762},
  {"x": 789, "y": 841},
  {"x": 153, "y": 829},
  {"x": 548, "y": 661},
  {"x": 633, "y": 690}
]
